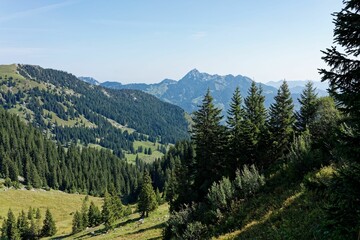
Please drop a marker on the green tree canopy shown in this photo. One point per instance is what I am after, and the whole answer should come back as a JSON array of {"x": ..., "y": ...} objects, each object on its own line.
[{"x": 147, "y": 197}]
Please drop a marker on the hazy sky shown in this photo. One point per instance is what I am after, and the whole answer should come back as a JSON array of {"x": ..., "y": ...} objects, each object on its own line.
[{"x": 149, "y": 40}]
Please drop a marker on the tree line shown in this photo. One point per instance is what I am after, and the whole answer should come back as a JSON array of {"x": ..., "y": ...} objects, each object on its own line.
[{"x": 28, "y": 226}]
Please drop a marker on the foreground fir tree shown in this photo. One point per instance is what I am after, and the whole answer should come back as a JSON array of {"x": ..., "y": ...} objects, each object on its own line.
[
  {"x": 254, "y": 125},
  {"x": 344, "y": 81},
  {"x": 281, "y": 122},
  {"x": 308, "y": 107},
  {"x": 49, "y": 227},
  {"x": 147, "y": 197},
  {"x": 210, "y": 141},
  {"x": 235, "y": 123}
]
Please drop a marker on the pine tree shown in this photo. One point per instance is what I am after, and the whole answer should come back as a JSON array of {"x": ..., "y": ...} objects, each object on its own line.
[
  {"x": 235, "y": 123},
  {"x": 344, "y": 81},
  {"x": 49, "y": 227},
  {"x": 210, "y": 140},
  {"x": 10, "y": 229},
  {"x": 22, "y": 225},
  {"x": 254, "y": 125},
  {"x": 281, "y": 122},
  {"x": 108, "y": 214},
  {"x": 84, "y": 214},
  {"x": 77, "y": 223},
  {"x": 308, "y": 102},
  {"x": 344, "y": 75},
  {"x": 147, "y": 198},
  {"x": 94, "y": 215}
]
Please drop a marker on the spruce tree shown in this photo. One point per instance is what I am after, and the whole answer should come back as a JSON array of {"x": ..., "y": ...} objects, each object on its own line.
[
  {"x": 108, "y": 213},
  {"x": 77, "y": 223},
  {"x": 147, "y": 198},
  {"x": 308, "y": 107},
  {"x": 49, "y": 226},
  {"x": 281, "y": 122},
  {"x": 94, "y": 215},
  {"x": 210, "y": 140},
  {"x": 254, "y": 125},
  {"x": 344, "y": 81},
  {"x": 84, "y": 214},
  {"x": 344, "y": 75},
  {"x": 10, "y": 229},
  {"x": 23, "y": 225},
  {"x": 235, "y": 122}
]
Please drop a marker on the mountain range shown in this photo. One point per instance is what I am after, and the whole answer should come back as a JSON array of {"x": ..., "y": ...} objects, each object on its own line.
[{"x": 188, "y": 91}]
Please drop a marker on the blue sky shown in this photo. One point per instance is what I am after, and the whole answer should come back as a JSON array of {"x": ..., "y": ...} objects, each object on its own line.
[{"x": 149, "y": 40}]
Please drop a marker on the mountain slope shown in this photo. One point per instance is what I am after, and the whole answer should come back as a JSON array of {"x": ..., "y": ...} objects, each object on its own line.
[{"x": 70, "y": 110}]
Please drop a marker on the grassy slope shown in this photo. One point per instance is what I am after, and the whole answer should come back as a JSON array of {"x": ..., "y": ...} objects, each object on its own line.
[
  {"x": 147, "y": 158},
  {"x": 288, "y": 212},
  {"x": 129, "y": 227},
  {"x": 61, "y": 205}
]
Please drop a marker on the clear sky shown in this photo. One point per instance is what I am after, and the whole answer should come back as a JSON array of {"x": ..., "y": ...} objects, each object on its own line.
[{"x": 149, "y": 40}]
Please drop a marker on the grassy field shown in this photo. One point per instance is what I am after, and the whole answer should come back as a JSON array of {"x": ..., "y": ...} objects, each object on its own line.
[
  {"x": 147, "y": 158},
  {"x": 61, "y": 205},
  {"x": 129, "y": 227}
]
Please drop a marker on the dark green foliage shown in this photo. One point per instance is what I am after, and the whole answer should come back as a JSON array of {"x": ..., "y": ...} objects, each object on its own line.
[
  {"x": 281, "y": 122},
  {"x": 344, "y": 74},
  {"x": 147, "y": 198},
  {"x": 131, "y": 108},
  {"x": 210, "y": 140},
  {"x": 94, "y": 215},
  {"x": 9, "y": 229},
  {"x": 113, "y": 208},
  {"x": 77, "y": 223},
  {"x": 308, "y": 107},
  {"x": 254, "y": 125},
  {"x": 49, "y": 227},
  {"x": 236, "y": 125},
  {"x": 343, "y": 211},
  {"x": 23, "y": 225},
  {"x": 44, "y": 164},
  {"x": 344, "y": 80},
  {"x": 84, "y": 214}
]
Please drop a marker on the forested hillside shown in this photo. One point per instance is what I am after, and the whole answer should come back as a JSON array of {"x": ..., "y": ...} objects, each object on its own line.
[{"x": 71, "y": 111}]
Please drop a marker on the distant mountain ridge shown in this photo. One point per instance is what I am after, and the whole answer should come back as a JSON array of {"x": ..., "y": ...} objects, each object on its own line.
[{"x": 190, "y": 89}]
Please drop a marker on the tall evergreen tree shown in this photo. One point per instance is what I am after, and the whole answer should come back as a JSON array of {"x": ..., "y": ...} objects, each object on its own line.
[
  {"x": 235, "y": 122},
  {"x": 22, "y": 225},
  {"x": 94, "y": 215},
  {"x": 344, "y": 81},
  {"x": 210, "y": 141},
  {"x": 254, "y": 125},
  {"x": 108, "y": 213},
  {"x": 344, "y": 74},
  {"x": 308, "y": 107},
  {"x": 77, "y": 223},
  {"x": 147, "y": 198},
  {"x": 281, "y": 122},
  {"x": 9, "y": 229},
  {"x": 84, "y": 214},
  {"x": 49, "y": 227}
]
